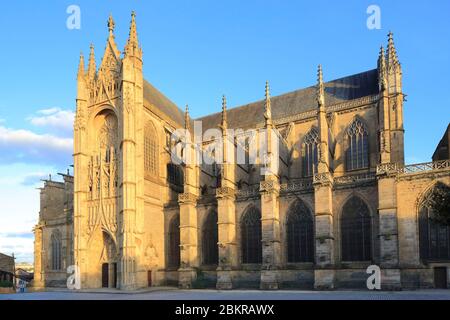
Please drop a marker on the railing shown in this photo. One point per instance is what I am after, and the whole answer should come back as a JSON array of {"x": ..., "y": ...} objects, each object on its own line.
[
  {"x": 355, "y": 178},
  {"x": 296, "y": 185},
  {"x": 394, "y": 168},
  {"x": 245, "y": 193},
  {"x": 291, "y": 186},
  {"x": 428, "y": 166}
]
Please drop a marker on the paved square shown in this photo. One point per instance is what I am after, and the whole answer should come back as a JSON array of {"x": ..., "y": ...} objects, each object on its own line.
[{"x": 175, "y": 294}]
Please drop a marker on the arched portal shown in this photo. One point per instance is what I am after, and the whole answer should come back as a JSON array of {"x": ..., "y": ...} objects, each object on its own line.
[{"x": 109, "y": 260}]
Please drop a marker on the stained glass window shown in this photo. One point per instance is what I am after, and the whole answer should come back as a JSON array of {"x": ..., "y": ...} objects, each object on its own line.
[
  {"x": 357, "y": 153},
  {"x": 310, "y": 156}
]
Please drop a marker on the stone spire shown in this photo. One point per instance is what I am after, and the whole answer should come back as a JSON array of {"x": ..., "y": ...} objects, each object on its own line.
[
  {"x": 132, "y": 46},
  {"x": 111, "y": 25},
  {"x": 382, "y": 77},
  {"x": 92, "y": 68},
  {"x": 187, "y": 124},
  {"x": 391, "y": 52},
  {"x": 267, "y": 106},
  {"x": 224, "y": 124},
  {"x": 110, "y": 50},
  {"x": 81, "y": 66},
  {"x": 323, "y": 147},
  {"x": 320, "y": 88}
]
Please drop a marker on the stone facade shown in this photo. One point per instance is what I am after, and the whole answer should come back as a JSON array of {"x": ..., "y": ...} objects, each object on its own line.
[
  {"x": 53, "y": 242},
  {"x": 341, "y": 199},
  {"x": 7, "y": 268}
]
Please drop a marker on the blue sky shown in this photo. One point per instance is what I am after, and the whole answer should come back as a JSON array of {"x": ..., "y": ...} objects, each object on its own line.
[{"x": 195, "y": 51}]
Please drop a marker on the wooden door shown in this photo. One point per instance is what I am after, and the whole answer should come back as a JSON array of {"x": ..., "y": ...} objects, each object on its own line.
[
  {"x": 105, "y": 275},
  {"x": 440, "y": 278}
]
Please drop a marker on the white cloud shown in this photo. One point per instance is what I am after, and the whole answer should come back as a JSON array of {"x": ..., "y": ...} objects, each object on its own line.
[
  {"x": 53, "y": 117},
  {"x": 19, "y": 206},
  {"x": 20, "y": 244},
  {"x": 29, "y": 147},
  {"x": 34, "y": 178}
]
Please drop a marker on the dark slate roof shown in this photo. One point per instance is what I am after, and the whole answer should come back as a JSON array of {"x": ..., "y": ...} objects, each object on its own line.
[
  {"x": 162, "y": 103},
  {"x": 336, "y": 91},
  {"x": 442, "y": 151}
]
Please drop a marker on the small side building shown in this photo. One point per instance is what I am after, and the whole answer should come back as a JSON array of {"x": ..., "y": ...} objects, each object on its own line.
[
  {"x": 6, "y": 268},
  {"x": 53, "y": 245}
]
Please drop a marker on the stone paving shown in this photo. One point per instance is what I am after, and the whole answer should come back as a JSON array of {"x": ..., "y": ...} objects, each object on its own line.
[{"x": 175, "y": 294}]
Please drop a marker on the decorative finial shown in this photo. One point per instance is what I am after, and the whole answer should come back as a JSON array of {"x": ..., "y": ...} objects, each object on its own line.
[
  {"x": 81, "y": 65},
  {"x": 91, "y": 65},
  {"x": 132, "y": 46},
  {"x": 224, "y": 113},
  {"x": 187, "y": 124},
  {"x": 111, "y": 24},
  {"x": 320, "y": 87},
  {"x": 268, "y": 108},
  {"x": 392, "y": 58},
  {"x": 382, "y": 80}
]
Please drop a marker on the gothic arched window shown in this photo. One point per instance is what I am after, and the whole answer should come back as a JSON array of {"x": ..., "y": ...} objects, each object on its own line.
[
  {"x": 357, "y": 153},
  {"x": 434, "y": 237},
  {"x": 150, "y": 150},
  {"x": 210, "y": 250},
  {"x": 310, "y": 156},
  {"x": 300, "y": 233},
  {"x": 251, "y": 236},
  {"x": 56, "y": 251},
  {"x": 175, "y": 174},
  {"x": 174, "y": 243},
  {"x": 356, "y": 235}
]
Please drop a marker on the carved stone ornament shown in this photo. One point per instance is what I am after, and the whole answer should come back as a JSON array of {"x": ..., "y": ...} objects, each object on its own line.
[
  {"x": 269, "y": 186},
  {"x": 187, "y": 198},
  {"x": 224, "y": 192},
  {"x": 128, "y": 100},
  {"x": 323, "y": 178}
]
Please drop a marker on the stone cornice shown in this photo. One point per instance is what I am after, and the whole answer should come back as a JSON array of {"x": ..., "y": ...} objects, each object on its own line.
[{"x": 364, "y": 101}]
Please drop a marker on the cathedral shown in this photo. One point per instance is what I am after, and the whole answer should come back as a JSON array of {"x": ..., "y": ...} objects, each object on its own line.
[{"x": 339, "y": 200}]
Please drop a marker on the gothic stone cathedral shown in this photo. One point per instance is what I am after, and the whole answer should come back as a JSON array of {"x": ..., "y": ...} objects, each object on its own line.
[{"x": 342, "y": 199}]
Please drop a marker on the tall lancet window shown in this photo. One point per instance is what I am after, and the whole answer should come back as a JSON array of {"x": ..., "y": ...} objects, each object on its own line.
[
  {"x": 310, "y": 157},
  {"x": 251, "y": 236},
  {"x": 210, "y": 250},
  {"x": 56, "y": 251},
  {"x": 356, "y": 234},
  {"x": 357, "y": 153},
  {"x": 434, "y": 236},
  {"x": 300, "y": 233},
  {"x": 150, "y": 150},
  {"x": 174, "y": 243}
]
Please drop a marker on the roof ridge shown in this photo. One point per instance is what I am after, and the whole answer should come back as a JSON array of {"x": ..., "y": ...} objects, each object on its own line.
[{"x": 231, "y": 109}]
